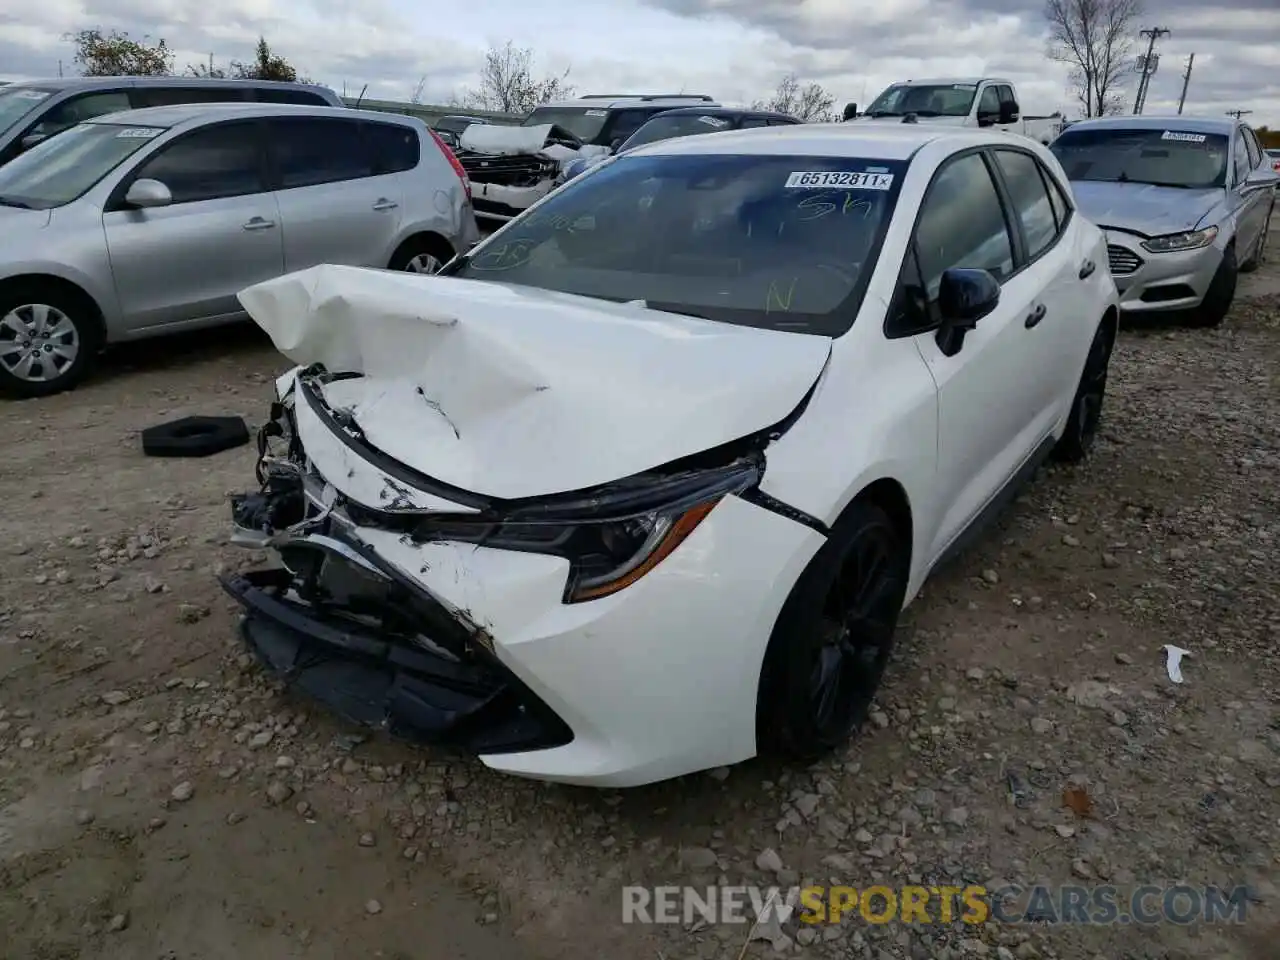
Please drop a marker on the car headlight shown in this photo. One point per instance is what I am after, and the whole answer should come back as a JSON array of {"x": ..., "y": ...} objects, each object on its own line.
[
  {"x": 1177, "y": 242},
  {"x": 611, "y": 537}
]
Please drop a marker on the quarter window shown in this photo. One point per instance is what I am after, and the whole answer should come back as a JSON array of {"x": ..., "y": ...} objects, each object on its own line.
[
  {"x": 274, "y": 95},
  {"x": 311, "y": 150},
  {"x": 212, "y": 163},
  {"x": 962, "y": 224},
  {"x": 748, "y": 122},
  {"x": 1031, "y": 202}
]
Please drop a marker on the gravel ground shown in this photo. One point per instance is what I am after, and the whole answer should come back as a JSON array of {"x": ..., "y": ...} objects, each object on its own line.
[{"x": 158, "y": 798}]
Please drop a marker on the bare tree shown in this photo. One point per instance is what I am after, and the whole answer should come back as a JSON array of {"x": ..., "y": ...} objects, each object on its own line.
[
  {"x": 116, "y": 54},
  {"x": 507, "y": 84},
  {"x": 1094, "y": 38},
  {"x": 810, "y": 102}
]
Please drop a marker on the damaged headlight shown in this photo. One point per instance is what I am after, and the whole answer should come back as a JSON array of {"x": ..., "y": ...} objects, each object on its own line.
[{"x": 611, "y": 537}]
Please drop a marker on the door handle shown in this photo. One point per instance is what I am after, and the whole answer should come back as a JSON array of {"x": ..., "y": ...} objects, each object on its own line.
[
  {"x": 1035, "y": 316},
  {"x": 257, "y": 223},
  {"x": 382, "y": 203},
  {"x": 1086, "y": 269}
]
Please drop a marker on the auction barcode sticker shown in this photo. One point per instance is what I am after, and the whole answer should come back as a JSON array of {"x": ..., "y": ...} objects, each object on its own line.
[
  {"x": 845, "y": 179},
  {"x": 1184, "y": 137}
]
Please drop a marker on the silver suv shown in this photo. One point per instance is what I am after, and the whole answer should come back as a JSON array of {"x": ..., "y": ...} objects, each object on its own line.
[
  {"x": 151, "y": 221},
  {"x": 34, "y": 110}
]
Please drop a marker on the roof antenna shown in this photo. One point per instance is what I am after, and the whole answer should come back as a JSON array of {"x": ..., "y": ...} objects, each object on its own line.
[{"x": 360, "y": 99}]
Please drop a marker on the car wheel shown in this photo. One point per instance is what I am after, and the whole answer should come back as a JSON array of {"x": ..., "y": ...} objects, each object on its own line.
[
  {"x": 1260, "y": 248},
  {"x": 833, "y": 638},
  {"x": 48, "y": 340},
  {"x": 1222, "y": 291},
  {"x": 422, "y": 255},
  {"x": 1086, "y": 408}
]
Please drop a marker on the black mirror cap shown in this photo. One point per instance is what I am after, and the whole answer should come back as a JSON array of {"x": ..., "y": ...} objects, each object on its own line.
[
  {"x": 1009, "y": 112},
  {"x": 850, "y": 111},
  {"x": 967, "y": 295}
]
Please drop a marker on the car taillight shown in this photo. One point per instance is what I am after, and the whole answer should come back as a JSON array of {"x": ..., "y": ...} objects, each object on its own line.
[{"x": 454, "y": 162}]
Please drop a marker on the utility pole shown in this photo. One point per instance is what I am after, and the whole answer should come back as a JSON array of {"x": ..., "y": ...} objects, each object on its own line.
[
  {"x": 1186, "y": 79},
  {"x": 59, "y": 68},
  {"x": 1147, "y": 65},
  {"x": 1238, "y": 113}
]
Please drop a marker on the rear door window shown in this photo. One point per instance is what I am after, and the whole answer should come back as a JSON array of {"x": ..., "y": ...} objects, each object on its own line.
[
  {"x": 1030, "y": 200},
  {"x": 309, "y": 151},
  {"x": 169, "y": 96},
  {"x": 395, "y": 146}
]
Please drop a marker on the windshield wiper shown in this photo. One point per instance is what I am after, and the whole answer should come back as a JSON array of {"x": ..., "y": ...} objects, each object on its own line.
[
  {"x": 11, "y": 202},
  {"x": 875, "y": 114}
]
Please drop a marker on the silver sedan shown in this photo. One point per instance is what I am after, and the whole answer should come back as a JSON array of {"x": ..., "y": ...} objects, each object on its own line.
[{"x": 1185, "y": 203}]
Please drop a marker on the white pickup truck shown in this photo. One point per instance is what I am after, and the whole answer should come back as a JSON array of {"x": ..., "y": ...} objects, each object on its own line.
[{"x": 959, "y": 102}]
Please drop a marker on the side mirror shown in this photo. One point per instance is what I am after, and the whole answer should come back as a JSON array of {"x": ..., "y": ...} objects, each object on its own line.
[
  {"x": 1009, "y": 112},
  {"x": 613, "y": 147},
  {"x": 850, "y": 111},
  {"x": 148, "y": 193},
  {"x": 965, "y": 296},
  {"x": 32, "y": 139}
]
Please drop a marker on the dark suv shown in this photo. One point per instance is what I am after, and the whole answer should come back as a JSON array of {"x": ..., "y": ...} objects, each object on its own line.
[{"x": 687, "y": 122}]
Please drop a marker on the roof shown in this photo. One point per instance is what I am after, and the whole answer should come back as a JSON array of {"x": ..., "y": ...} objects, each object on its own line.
[
  {"x": 609, "y": 101},
  {"x": 948, "y": 81},
  {"x": 63, "y": 83},
  {"x": 1187, "y": 124},
  {"x": 182, "y": 113},
  {"x": 719, "y": 111},
  {"x": 869, "y": 140}
]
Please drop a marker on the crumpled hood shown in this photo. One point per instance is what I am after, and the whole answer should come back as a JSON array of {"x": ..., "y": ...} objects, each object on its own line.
[
  {"x": 1149, "y": 210},
  {"x": 516, "y": 392}
]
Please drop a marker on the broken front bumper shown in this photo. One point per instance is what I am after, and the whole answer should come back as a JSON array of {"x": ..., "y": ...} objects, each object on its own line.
[{"x": 345, "y": 629}]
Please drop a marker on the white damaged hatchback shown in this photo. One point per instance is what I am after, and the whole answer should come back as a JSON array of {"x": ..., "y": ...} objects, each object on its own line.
[{"x": 641, "y": 485}]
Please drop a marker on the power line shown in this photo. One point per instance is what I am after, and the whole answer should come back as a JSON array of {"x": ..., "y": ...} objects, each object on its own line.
[
  {"x": 1186, "y": 79},
  {"x": 1147, "y": 65}
]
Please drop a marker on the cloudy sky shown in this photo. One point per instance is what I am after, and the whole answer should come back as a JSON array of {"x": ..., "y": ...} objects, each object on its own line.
[{"x": 735, "y": 50}]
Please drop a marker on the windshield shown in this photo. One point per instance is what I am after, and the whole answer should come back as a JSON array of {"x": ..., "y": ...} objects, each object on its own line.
[
  {"x": 17, "y": 102},
  {"x": 582, "y": 122},
  {"x": 62, "y": 168},
  {"x": 1166, "y": 158},
  {"x": 455, "y": 125},
  {"x": 925, "y": 100},
  {"x": 665, "y": 127},
  {"x": 786, "y": 243}
]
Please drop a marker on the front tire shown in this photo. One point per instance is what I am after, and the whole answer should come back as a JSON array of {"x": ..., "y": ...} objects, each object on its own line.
[
  {"x": 1086, "y": 407},
  {"x": 48, "y": 340},
  {"x": 832, "y": 641},
  {"x": 1217, "y": 301}
]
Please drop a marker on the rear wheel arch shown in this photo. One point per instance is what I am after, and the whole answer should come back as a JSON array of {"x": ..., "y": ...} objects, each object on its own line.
[{"x": 424, "y": 241}]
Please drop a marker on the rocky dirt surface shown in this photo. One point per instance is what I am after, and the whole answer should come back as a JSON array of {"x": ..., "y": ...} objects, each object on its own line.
[{"x": 159, "y": 799}]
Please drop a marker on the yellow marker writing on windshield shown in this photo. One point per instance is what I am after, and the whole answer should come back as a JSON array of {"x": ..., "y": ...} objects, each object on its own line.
[{"x": 775, "y": 300}]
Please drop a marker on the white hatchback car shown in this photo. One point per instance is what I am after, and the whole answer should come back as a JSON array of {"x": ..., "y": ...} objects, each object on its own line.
[{"x": 640, "y": 486}]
